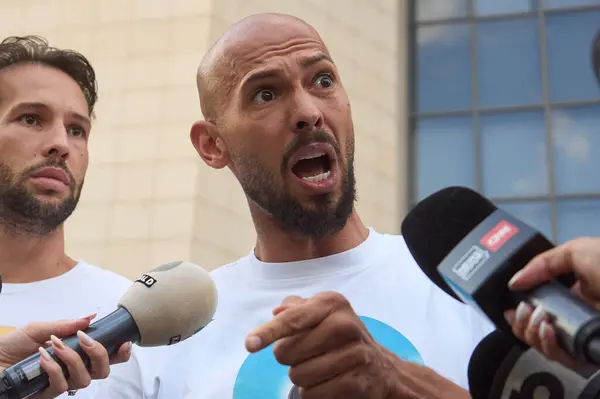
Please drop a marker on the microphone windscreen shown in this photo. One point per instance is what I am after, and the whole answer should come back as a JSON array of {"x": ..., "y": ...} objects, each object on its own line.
[
  {"x": 486, "y": 364},
  {"x": 171, "y": 303},
  {"x": 438, "y": 223},
  {"x": 500, "y": 368}
]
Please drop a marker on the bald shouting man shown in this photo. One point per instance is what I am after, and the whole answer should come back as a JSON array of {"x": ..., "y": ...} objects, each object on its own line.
[{"x": 322, "y": 306}]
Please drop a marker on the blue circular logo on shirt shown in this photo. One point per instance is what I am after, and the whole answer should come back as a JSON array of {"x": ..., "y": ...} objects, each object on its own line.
[{"x": 261, "y": 376}]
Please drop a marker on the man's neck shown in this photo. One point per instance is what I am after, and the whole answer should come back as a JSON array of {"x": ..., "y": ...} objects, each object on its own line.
[
  {"x": 273, "y": 244},
  {"x": 26, "y": 259}
]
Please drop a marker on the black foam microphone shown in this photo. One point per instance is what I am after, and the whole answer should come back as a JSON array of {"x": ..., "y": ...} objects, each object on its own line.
[
  {"x": 500, "y": 370},
  {"x": 596, "y": 56},
  {"x": 467, "y": 245}
]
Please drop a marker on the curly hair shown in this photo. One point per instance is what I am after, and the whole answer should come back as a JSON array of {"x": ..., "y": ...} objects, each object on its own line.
[{"x": 34, "y": 49}]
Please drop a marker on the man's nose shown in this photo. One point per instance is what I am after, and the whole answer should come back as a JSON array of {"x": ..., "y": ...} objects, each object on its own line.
[
  {"x": 308, "y": 116},
  {"x": 57, "y": 143}
]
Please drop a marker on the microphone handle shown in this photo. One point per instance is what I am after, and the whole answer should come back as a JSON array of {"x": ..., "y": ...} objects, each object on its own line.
[
  {"x": 25, "y": 378},
  {"x": 575, "y": 323}
]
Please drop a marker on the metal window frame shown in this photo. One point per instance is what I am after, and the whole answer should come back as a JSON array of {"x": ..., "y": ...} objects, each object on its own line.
[{"x": 553, "y": 197}]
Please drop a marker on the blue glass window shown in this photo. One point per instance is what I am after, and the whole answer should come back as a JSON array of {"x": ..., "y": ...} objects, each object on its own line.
[
  {"x": 508, "y": 58},
  {"x": 444, "y": 154},
  {"x": 576, "y": 142},
  {"x": 490, "y": 7},
  {"x": 444, "y": 70},
  {"x": 429, "y": 10},
  {"x": 569, "y": 42},
  {"x": 577, "y": 218},
  {"x": 568, "y": 3},
  {"x": 513, "y": 154}
]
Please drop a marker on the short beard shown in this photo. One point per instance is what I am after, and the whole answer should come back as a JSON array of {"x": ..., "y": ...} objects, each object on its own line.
[
  {"x": 327, "y": 216},
  {"x": 21, "y": 213}
]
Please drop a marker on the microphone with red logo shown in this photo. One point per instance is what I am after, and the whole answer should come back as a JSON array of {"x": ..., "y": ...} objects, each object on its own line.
[{"x": 471, "y": 248}]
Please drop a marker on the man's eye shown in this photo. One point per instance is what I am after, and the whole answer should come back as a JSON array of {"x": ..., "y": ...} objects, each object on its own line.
[
  {"x": 325, "y": 81},
  {"x": 76, "y": 131},
  {"x": 31, "y": 120},
  {"x": 264, "y": 96}
]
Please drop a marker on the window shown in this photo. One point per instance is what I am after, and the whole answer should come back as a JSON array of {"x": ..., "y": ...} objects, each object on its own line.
[{"x": 505, "y": 102}]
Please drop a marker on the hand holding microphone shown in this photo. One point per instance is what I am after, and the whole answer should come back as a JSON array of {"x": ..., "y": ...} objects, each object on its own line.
[
  {"x": 581, "y": 257},
  {"x": 472, "y": 249},
  {"x": 18, "y": 344},
  {"x": 163, "y": 307}
]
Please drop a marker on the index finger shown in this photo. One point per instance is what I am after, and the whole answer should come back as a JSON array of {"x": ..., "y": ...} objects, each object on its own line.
[
  {"x": 293, "y": 321},
  {"x": 544, "y": 268}
]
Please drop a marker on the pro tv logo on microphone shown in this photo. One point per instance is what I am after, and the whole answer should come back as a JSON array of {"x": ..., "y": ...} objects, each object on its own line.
[{"x": 499, "y": 235}]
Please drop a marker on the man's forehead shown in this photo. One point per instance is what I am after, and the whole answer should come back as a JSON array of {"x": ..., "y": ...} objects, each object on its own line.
[
  {"x": 39, "y": 84},
  {"x": 265, "y": 27},
  {"x": 254, "y": 40}
]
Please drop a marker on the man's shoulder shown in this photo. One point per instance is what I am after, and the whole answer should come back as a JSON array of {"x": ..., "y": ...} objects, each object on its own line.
[
  {"x": 393, "y": 246},
  {"x": 103, "y": 277},
  {"x": 227, "y": 270}
]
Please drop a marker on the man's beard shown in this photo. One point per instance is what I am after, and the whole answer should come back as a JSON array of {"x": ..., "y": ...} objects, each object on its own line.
[
  {"x": 324, "y": 216},
  {"x": 22, "y": 213}
]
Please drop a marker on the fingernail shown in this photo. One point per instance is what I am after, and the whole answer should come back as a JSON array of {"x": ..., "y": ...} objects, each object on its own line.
[
  {"x": 544, "y": 330},
  {"x": 90, "y": 317},
  {"x": 44, "y": 353},
  {"x": 537, "y": 316},
  {"x": 48, "y": 343},
  {"x": 515, "y": 278},
  {"x": 57, "y": 342},
  {"x": 84, "y": 338},
  {"x": 509, "y": 317},
  {"x": 522, "y": 311},
  {"x": 253, "y": 343},
  {"x": 129, "y": 348}
]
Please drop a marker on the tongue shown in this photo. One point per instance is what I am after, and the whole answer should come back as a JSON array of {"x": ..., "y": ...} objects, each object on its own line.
[{"x": 310, "y": 167}]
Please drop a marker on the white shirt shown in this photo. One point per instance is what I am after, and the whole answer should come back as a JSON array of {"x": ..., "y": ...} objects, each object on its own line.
[{"x": 401, "y": 307}]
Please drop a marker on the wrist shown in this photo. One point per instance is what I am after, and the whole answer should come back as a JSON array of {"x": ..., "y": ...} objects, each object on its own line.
[{"x": 412, "y": 380}]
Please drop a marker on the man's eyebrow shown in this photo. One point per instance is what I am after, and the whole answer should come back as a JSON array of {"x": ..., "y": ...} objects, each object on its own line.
[
  {"x": 260, "y": 75},
  {"x": 315, "y": 59},
  {"x": 274, "y": 72}
]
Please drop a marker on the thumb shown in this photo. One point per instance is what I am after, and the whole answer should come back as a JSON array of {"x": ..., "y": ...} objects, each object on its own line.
[{"x": 41, "y": 331}]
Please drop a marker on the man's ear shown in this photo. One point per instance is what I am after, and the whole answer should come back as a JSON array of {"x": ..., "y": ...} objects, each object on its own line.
[{"x": 205, "y": 139}]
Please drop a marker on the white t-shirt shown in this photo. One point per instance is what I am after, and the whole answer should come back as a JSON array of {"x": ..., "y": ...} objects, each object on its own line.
[
  {"x": 83, "y": 290},
  {"x": 403, "y": 310}
]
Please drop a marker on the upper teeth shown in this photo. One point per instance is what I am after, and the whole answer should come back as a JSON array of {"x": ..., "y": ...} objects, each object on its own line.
[
  {"x": 314, "y": 154},
  {"x": 317, "y": 178}
]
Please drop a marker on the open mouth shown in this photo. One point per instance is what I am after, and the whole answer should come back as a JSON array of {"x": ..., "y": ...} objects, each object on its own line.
[{"x": 313, "y": 167}]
